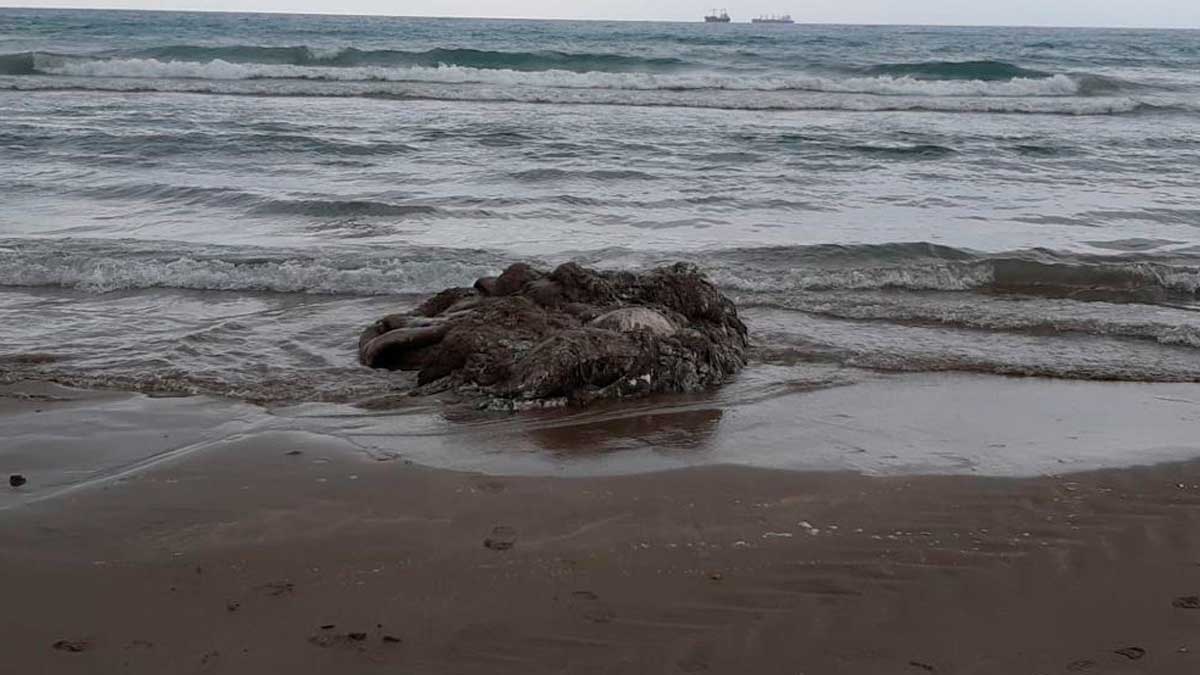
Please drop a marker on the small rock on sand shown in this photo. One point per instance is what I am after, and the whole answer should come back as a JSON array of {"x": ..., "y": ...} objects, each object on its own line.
[
  {"x": 17, "y": 480},
  {"x": 71, "y": 645}
]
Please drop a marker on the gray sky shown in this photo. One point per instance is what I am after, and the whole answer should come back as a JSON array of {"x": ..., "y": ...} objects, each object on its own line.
[{"x": 1160, "y": 13}]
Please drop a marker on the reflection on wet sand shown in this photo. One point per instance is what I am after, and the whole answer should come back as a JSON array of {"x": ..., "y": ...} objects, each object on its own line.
[
  {"x": 686, "y": 429},
  {"x": 663, "y": 424}
]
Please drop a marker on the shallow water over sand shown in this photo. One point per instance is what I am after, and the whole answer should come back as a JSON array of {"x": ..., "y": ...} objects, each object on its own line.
[{"x": 883, "y": 425}]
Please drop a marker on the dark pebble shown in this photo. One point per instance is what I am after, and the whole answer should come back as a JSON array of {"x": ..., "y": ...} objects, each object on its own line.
[
  {"x": 293, "y": 453},
  {"x": 232, "y": 605},
  {"x": 329, "y": 626},
  {"x": 922, "y": 666},
  {"x": 71, "y": 645},
  {"x": 357, "y": 637},
  {"x": 391, "y": 639},
  {"x": 17, "y": 480}
]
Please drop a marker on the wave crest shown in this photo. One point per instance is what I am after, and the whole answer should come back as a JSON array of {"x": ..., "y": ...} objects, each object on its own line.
[{"x": 984, "y": 71}]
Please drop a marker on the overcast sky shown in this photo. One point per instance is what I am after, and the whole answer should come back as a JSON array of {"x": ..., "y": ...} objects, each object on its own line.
[{"x": 1161, "y": 13}]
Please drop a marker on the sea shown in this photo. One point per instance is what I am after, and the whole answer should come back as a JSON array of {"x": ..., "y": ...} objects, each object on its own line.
[{"x": 210, "y": 203}]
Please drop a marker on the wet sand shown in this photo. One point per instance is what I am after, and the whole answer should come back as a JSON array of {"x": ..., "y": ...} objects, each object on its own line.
[{"x": 285, "y": 551}]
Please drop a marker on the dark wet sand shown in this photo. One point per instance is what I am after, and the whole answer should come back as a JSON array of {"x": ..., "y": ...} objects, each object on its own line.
[{"x": 242, "y": 558}]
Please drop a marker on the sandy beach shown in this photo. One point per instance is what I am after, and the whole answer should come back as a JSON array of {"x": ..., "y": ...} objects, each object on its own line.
[{"x": 280, "y": 551}]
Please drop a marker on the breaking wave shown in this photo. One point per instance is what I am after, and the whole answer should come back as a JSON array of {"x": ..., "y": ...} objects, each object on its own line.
[
  {"x": 553, "y": 77},
  {"x": 104, "y": 265},
  {"x": 351, "y": 56},
  {"x": 219, "y": 69}
]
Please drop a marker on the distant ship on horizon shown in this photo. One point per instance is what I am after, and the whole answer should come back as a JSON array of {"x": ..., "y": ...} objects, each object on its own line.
[
  {"x": 717, "y": 17},
  {"x": 781, "y": 18}
]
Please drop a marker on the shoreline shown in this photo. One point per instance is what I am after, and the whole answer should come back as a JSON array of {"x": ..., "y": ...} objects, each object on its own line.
[
  {"x": 232, "y": 557},
  {"x": 792, "y": 417}
]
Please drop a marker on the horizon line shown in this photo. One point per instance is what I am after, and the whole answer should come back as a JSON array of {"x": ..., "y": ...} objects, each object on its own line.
[{"x": 595, "y": 20}]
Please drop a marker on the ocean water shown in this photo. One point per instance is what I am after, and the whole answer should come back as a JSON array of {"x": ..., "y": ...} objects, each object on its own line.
[{"x": 218, "y": 203}]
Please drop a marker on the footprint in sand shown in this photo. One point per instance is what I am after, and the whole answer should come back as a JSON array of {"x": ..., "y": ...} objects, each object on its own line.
[
  {"x": 355, "y": 639},
  {"x": 502, "y": 538},
  {"x": 1187, "y": 602},
  {"x": 491, "y": 487},
  {"x": 277, "y": 588},
  {"x": 1131, "y": 653},
  {"x": 588, "y": 606},
  {"x": 337, "y": 639}
]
